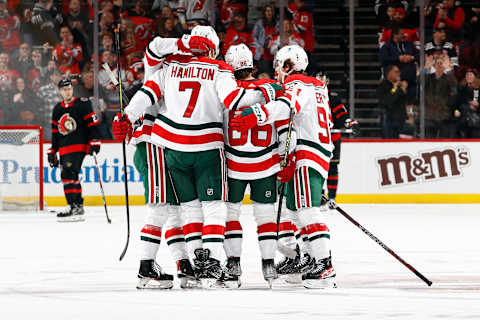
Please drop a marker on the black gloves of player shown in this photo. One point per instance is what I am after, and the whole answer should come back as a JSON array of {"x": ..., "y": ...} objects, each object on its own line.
[
  {"x": 52, "y": 158},
  {"x": 353, "y": 124},
  {"x": 94, "y": 147}
]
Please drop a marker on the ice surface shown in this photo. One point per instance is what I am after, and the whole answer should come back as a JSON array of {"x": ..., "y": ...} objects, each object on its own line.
[{"x": 50, "y": 270}]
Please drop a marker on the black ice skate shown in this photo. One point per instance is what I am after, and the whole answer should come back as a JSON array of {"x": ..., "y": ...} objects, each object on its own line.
[
  {"x": 151, "y": 276},
  {"x": 269, "y": 271},
  {"x": 233, "y": 271},
  {"x": 306, "y": 264},
  {"x": 212, "y": 273},
  {"x": 287, "y": 265},
  {"x": 332, "y": 205},
  {"x": 75, "y": 214},
  {"x": 321, "y": 276},
  {"x": 186, "y": 274}
]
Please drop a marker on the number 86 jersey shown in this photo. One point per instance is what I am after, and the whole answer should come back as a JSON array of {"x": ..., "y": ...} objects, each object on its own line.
[{"x": 254, "y": 154}]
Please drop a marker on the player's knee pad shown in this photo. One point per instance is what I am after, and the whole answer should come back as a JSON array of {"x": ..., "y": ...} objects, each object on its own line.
[
  {"x": 295, "y": 218},
  {"x": 215, "y": 211},
  {"x": 233, "y": 211},
  {"x": 156, "y": 214},
  {"x": 309, "y": 216},
  {"x": 264, "y": 213},
  {"x": 174, "y": 219},
  {"x": 191, "y": 211}
]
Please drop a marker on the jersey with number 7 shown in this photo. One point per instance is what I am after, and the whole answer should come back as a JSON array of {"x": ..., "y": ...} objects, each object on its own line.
[{"x": 196, "y": 91}]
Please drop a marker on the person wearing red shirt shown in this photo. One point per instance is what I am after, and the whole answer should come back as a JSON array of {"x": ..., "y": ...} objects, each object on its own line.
[
  {"x": 228, "y": 8},
  {"x": 238, "y": 33},
  {"x": 68, "y": 54},
  {"x": 453, "y": 16},
  {"x": 291, "y": 37},
  {"x": 7, "y": 75},
  {"x": 9, "y": 29},
  {"x": 303, "y": 23}
]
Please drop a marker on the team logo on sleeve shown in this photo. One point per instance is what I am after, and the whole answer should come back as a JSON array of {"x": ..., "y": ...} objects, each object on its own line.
[{"x": 67, "y": 124}]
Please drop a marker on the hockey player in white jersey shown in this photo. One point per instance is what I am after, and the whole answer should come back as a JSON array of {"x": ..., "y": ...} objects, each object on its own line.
[
  {"x": 196, "y": 89},
  {"x": 308, "y": 167},
  {"x": 252, "y": 159}
]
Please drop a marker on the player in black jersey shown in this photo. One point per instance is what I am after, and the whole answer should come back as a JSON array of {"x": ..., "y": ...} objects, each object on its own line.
[
  {"x": 341, "y": 121},
  {"x": 74, "y": 134}
]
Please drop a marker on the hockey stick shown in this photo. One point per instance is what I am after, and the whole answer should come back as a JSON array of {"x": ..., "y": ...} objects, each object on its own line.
[
  {"x": 380, "y": 243},
  {"x": 124, "y": 151},
  {"x": 341, "y": 131},
  {"x": 284, "y": 163},
  {"x": 114, "y": 80},
  {"x": 101, "y": 188}
]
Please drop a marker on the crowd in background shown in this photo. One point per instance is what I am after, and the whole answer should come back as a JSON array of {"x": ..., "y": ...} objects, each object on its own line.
[
  {"x": 451, "y": 65},
  {"x": 44, "y": 40}
]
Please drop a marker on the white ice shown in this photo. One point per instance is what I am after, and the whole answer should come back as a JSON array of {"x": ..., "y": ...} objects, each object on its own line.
[{"x": 53, "y": 271}]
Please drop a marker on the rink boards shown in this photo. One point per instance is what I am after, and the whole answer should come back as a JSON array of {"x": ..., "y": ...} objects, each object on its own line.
[{"x": 371, "y": 171}]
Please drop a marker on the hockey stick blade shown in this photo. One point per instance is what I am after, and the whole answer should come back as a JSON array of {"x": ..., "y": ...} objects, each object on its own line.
[
  {"x": 380, "y": 243},
  {"x": 101, "y": 188}
]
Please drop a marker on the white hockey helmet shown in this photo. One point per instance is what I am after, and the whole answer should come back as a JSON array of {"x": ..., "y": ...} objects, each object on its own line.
[
  {"x": 295, "y": 54},
  {"x": 209, "y": 33},
  {"x": 239, "y": 57}
]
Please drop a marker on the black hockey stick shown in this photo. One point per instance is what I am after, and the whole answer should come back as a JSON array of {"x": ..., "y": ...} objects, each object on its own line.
[
  {"x": 101, "y": 188},
  {"x": 283, "y": 164},
  {"x": 124, "y": 151},
  {"x": 380, "y": 243}
]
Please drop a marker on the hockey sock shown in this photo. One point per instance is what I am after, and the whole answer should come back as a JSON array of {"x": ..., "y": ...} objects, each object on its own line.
[
  {"x": 233, "y": 231},
  {"x": 318, "y": 232},
  {"x": 151, "y": 233},
  {"x": 192, "y": 228},
  {"x": 332, "y": 184},
  {"x": 213, "y": 231},
  {"x": 286, "y": 235},
  {"x": 72, "y": 190},
  {"x": 174, "y": 234},
  {"x": 265, "y": 216}
]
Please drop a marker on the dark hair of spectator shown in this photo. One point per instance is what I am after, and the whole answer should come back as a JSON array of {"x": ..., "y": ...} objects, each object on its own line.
[
  {"x": 388, "y": 69},
  {"x": 264, "y": 19}
]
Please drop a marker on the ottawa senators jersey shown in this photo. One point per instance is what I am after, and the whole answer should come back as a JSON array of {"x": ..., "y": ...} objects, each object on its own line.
[
  {"x": 74, "y": 125},
  {"x": 253, "y": 154},
  {"x": 339, "y": 113}
]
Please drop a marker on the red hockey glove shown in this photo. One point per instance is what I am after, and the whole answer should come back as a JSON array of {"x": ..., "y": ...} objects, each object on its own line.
[
  {"x": 195, "y": 44},
  {"x": 249, "y": 118},
  {"x": 286, "y": 173},
  {"x": 271, "y": 91},
  {"x": 353, "y": 124},
  {"x": 122, "y": 128},
  {"x": 94, "y": 147},
  {"x": 52, "y": 158}
]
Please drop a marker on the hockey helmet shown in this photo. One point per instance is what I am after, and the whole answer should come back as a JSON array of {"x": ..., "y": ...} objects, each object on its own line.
[
  {"x": 209, "y": 33},
  {"x": 295, "y": 54},
  {"x": 323, "y": 76},
  {"x": 239, "y": 57}
]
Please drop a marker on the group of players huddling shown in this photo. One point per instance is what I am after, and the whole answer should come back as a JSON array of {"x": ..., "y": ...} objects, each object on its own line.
[{"x": 204, "y": 130}]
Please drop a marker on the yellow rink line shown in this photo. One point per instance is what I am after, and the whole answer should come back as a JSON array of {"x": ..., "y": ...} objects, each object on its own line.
[{"x": 342, "y": 198}]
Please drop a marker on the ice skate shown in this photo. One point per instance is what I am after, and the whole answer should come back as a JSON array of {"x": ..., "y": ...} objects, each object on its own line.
[
  {"x": 186, "y": 275},
  {"x": 287, "y": 265},
  {"x": 151, "y": 276},
  {"x": 306, "y": 264},
  {"x": 75, "y": 214},
  {"x": 269, "y": 271},
  {"x": 208, "y": 270},
  {"x": 233, "y": 273},
  {"x": 322, "y": 276},
  {"x": 332, "y": 205}
]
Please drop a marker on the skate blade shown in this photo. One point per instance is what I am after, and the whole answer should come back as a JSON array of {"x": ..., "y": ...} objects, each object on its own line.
[
  {"x": 72, "y": 219},
  {"x": 270, "y": 282},
  {"x": 233, "y": 284},
  {"x": 212, "y": 283},
  {"x": 293, "y": 278},
  {"x": 319, "y": 283},
  {"x": 189, "y": 283},
  {"x": 148, "y": 283}
]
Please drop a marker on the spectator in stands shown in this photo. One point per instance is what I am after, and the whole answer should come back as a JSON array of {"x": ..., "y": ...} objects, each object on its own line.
[
  {"x": 467, "y": 113},
  {"x": 106, "y": 22},
  {"x": 140, "y": 24},
  {"x": 228, "y": 8},
  {"x": 384, "y": 10},
  {"x": 440, "y": 96},
  {"x": 69, "y": 55},
  {"x": 106, "y": 43},
  {"x": 46, "y": 20},
  {"x": 196, "y": 12},
  {"x": 37, "y": 73},
  {"x": 168, "y": 29},
  {"x": 9, "y": 29},
  {"x": 470, "y": 55},
  {"x": 49, "y": 96},
  {"x": 291, "y": 37},
  {"x": 78, "y": 22},
  {"x": 453, "y": 16},
  {"x": 238, "y": 33},
  {"x": 440, "y": 43},
  {"x": 25, "y": 105},
  {"x": 7, "y": 75},
  {"x": 303, "y": 23},
  {"x": 23, "y": 61},
  {"x": 472, "y": 21},
  {"x": 392, "y": 100},
  {"x": 403, "y": 53},
  {"x": 263, "y": 32},
  {"x": 128, "y": 44},
  {"x": 410, "y": 34}
]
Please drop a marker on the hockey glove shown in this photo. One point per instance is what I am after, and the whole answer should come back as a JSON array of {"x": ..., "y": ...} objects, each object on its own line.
[
  {"x": 52, "y": 158},
  {"x": 353, "y": 124},
  {"x": 122, "y": 128},
  {"x": 249, "y": 118},
  {"x": 271, "y": 91},
  {"x": 286, "y": 173},
  {"x": 195, "y": 44},
  {"x": 94, "y": 147}
]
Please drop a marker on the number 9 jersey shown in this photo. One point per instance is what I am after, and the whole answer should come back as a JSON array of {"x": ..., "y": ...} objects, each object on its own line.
[{"x": 254, "y": 154}]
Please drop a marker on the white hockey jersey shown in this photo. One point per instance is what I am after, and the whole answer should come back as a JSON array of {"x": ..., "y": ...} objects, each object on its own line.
[
  {"x": 312, "y": 122},
  {"x": 200, "y": 11},
  {"x": 196, "y": 91},
  {"x": 157, "y": 50},
  {"x": 144, "y": 131},
  {"x": 254, "y": 154}
]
